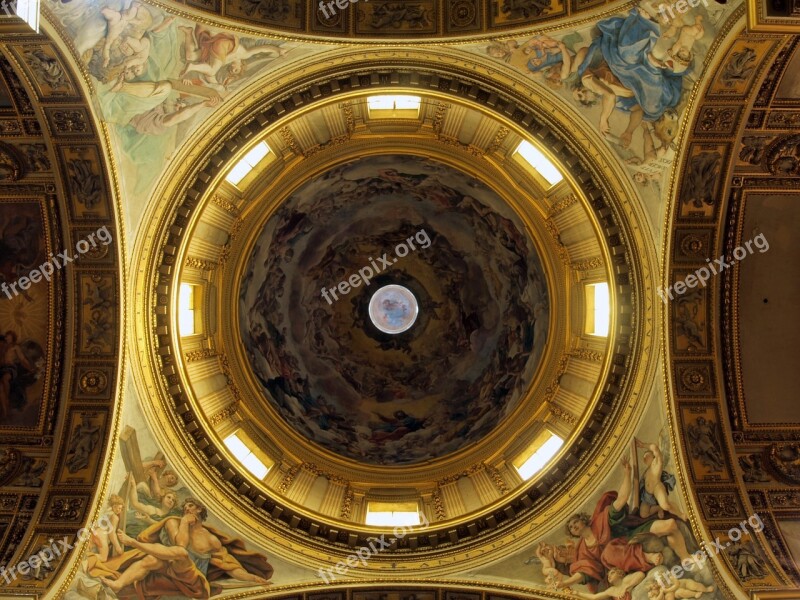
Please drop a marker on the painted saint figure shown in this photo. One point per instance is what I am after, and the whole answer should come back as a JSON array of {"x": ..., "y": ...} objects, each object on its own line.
[
  {"x": 606, "y": 539},
  {"x": 180, "y": 556}
]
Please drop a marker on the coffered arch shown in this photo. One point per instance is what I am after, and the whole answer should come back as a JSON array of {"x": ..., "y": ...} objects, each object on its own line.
[
  {"x": 727, "y": 220},
  {"x": 63, "y": 256}
]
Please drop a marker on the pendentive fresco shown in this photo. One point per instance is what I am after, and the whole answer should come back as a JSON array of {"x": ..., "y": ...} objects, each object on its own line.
[
  {"x": 156, "y": 539},
  {"x": 159, "y": 76},
  {"x": 629, "y": 75}
]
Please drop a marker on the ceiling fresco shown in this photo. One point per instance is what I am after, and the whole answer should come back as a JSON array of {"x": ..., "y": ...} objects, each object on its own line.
[
  {"x": 460, "y": 369},
  {"x": 144, "y": 513},
  {"x": 158, "y": 76},
  {"x": 692, "y": 460},
  {"x": 628, "y": 537},
  {"x": 630, "y": 76}
]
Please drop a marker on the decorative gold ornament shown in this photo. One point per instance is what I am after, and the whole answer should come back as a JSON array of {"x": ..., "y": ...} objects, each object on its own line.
[{"x": 93, "y": 382}]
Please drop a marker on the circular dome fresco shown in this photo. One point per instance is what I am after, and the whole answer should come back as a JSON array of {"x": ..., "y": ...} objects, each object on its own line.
[{"x": 431, "y": 385}]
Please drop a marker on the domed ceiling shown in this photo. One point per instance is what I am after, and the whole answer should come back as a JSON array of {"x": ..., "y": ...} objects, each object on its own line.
[{"x": 443, "y": 383}]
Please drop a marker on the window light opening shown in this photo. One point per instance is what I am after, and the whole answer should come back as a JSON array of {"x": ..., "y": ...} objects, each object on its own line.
[
  {"x": 395, "y": 105},
  {"x": 186, "y": 310},
  {"x": 239, "y": 448},
  {"x": 598, "y": 309},
  {"x": 538, "y": 455},
  {"x": 539, "y": 162},
  {"x": 247, "y": 163},
  {"x": 28, "y": 11},
  {"x": 393, "y": 514}
]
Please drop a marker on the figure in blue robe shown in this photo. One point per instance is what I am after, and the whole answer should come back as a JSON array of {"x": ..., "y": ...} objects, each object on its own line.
[{"x": 625, "y": 46}]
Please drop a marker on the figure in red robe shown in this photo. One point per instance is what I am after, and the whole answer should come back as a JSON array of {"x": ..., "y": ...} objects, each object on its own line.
[{"x": 604, "y": 538}]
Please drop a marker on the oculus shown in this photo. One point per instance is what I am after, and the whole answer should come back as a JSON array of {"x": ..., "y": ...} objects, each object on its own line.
[{"x": 393, "y": 309}]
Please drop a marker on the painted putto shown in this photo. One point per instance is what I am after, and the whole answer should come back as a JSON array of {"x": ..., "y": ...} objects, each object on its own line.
[{"x": 157, "y": 75}]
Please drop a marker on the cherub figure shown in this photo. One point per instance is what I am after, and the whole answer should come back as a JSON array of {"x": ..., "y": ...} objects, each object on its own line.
[
  {"x": 620, "y": 587},
  {"x": 552, "y": 576},
  {"x": 678, "y": 589},
  {"x": 654, "y": 482},
  {"x": 106, "y": 540},
  {"x": 147, "y": 512},
  {"x": 502, "y": 50},
  {"x": 136, "y": 15},
  {"x": 137, "y": 51},
  {"x": 160, "y": 479},
  {"x": 680, "y": 54}
]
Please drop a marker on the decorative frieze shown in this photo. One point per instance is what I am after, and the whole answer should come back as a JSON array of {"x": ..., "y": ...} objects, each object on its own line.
[
  {"x": 563, "y": 415},
  {"x": 497, "y": 479},
  {"x": 288, "y": 479},
  {"x": 320, "y": 473},
  {"x": 225, "y": 204},
  {"x": 561, "y": 249},
  {"x": 585, "y": 354},
  {"x": 347, "y": 503},
  {"x": 225, "y": 413},
  {"x": 588, "y": 264},
  {"x": 198, "y": 355},
  {"x": 288, "y": 139},
  {"x": 438, "y": 117},
  {"x": 562, "y": 204},
  {"x": 438, "y": 505},
  {"x": 502, "y": 134},
  {"x": 201, "y": 263}
]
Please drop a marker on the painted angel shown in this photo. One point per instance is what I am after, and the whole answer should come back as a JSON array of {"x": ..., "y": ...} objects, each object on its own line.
[
  {"x": 207, "y": 53},
  {"x": 656, "y": 482}
]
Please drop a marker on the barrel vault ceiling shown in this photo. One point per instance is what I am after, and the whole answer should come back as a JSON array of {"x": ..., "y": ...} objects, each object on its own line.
[{"x": 679, "y": 140}]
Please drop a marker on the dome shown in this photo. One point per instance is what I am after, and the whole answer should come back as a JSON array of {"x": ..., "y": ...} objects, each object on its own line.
[{"x": 398, "y": 223}]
